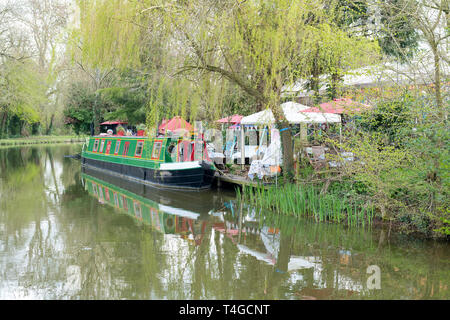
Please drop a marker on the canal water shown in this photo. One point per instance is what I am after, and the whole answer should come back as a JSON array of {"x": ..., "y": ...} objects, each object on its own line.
[{"x": 66, "y": 233}]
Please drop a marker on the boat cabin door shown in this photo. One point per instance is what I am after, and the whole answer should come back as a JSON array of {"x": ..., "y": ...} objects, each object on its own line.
[{"x": 184, "y": 151}]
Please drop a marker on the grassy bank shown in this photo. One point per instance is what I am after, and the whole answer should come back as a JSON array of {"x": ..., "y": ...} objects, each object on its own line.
[
  {"x": 41, "y": 140},
  {"x": 304, "y": 200}
]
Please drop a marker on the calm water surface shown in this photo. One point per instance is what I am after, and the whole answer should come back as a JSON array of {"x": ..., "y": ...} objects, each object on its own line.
[{"x": 66, "y": 233}]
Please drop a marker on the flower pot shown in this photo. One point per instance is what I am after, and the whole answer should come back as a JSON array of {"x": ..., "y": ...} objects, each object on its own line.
[
  {"x": 141, "y": 132},
  {"x": 120, "y": 133}
]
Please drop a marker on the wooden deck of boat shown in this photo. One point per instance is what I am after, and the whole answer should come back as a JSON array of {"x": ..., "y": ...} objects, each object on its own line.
[{"x": 238, "y": 180}]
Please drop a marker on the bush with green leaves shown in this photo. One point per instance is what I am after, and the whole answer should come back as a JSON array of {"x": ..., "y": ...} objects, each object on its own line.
[
  {"x": 394, "y": 118},
  {"x": 79, "y": 109},
  {"x": 402, "y": 151}
]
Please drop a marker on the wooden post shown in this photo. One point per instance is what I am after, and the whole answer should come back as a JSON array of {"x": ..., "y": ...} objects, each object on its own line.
[
  {"x": 303, "y": 134},
  {"x": 242, "y": 147},
  {"x": 198, "y": 142}
]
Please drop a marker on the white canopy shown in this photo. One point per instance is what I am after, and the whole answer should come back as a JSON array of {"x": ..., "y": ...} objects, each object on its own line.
[
  {"x": 316, "y": 117},
  {"x": 293, "y": 114}
]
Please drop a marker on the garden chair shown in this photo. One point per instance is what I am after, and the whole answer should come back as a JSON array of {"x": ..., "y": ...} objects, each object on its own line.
[{"x": 317, "y": 157}]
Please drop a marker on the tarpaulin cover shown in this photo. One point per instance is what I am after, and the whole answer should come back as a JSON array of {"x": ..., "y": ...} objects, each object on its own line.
[
  {"x": 339, "y": 106},
  {"x": 232, "y": 119},
  {"x": 294, "y": 114},
  {"x": 113, "y": 122},
  {"x": 272, "y": 157}
]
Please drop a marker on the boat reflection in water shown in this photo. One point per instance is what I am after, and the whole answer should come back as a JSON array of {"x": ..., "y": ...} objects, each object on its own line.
[
  {"x": 192, "y": 215},
  {"x": 168, "y": 211}
]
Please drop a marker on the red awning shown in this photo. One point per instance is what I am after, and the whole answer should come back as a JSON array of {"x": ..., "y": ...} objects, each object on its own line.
[
  {"x": 340, "y": 106},
  {"x": 114, "y": 122},
  {"x": 174, "y": 124},
  {"x": 232, "y": 119}
]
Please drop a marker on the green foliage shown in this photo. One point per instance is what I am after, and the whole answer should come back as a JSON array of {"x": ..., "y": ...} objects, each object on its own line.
[
  {"x": 235, "y": 101},
  {"x": 429, "y": 178},
  {"x": 258, "y": 46},
  {"x": 398, "y": 36},
  {"x": 348, "y": 188},
  {"x": 126, "y": 97},
  {"x": 445, "y": 229},
  {"x": 127, "y": 104},
  {"x": 108, "y": 33},
  {"x": 393, "y": 117},
  {"x": 79, "y": 109},
  {"x": 21, "y": 92},
  {"x": 379, "y": 167},
  {"x": 396, "y": 33},
  {"x": 335, "y": 53},
  {"x": 350, "y": 13},
  {"x": 401, "y": 148}
]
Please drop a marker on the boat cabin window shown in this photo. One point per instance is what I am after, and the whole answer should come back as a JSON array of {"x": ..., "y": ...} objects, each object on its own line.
[
  {"x": 137, "y": 209},
  {"x": 116, "y": 151},
  {"x": 102, "y": 145},
  {"x": 156, "y": 149},
  {"x": 116, "y": 200},
  {"x": 125, "y": 148},
  {"x": 172, "y": 149},
  {"x": 125, "y": 203},
  {"x": 139, "y": 148},
  {"x": 95, "y": 145}
]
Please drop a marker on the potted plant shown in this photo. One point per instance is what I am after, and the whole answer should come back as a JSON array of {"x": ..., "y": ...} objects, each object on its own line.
[
  {"x": 120, "y": 131},
  {"x": 141, "y": 130}
]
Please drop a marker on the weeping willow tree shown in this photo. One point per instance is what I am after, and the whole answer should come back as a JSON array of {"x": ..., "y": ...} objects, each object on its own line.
[{"x": 258, "y": 46}]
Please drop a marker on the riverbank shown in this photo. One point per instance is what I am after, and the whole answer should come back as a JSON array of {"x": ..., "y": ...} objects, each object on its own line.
[
  {"x": 307, "y": 201},
  {"x": 41, "y": 140}
]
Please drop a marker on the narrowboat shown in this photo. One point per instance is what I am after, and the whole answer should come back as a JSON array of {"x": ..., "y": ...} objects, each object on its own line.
[{"x": 166, "y": 162}]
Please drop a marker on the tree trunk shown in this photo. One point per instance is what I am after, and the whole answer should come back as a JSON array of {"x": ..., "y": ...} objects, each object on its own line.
[
  {"x": 437, "y": 82},
  {"x": 95, "y": 121},
  {"x": 3, "y": 126},
  {"x": 315, "y": 80},
  {"x": 50, "y": 126},
  {"x": 286, "y": 147},
  {"x": 22, "y": 128}
]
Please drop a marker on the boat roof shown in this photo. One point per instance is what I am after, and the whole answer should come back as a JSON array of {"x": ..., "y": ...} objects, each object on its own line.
[{"x": 113, "y": 122}]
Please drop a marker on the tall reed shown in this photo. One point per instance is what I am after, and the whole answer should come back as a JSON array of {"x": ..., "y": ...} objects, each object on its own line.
[{"x": 306, "y": 201}]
